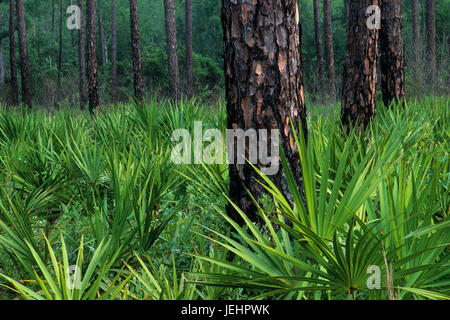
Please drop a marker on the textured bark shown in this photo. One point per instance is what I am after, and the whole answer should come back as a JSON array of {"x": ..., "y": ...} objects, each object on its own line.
[
  {"x": 392, "y": 55},
  {"x": 431, "y": 40},
  {"x": 12, "y": 53},
  {"x": 189, "y": 59},
  {"x": 416, "y": 30},
  {"x": 92, "y": 55},
  {"x": 264, "y": 86},
  {"x": 172, "y": 48},
  {"x": 58, "y": 98},
  {"x": 329, "y": 52},
  {"x": 82, "y": 59},
  {"x": 23, "y": 49},
  {"x": 319, "y": 46},
  {"x": 360, "y": 67},
  {"x": 103, "y": 53},
  {"x": 113, "y": 49},
  {"x": 136, "y": 52}
]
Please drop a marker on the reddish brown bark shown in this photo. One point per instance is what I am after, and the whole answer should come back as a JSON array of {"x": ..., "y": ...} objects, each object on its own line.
[
  {"x": 136, "y": 52},
  {"x": 329, "y": 52},
  {"x": 92, "y": 55},
  {"x": 360, "y": 67},
  {"x": 392, "y": 54},
  {"x": 23, "y": 49},
  {"x": 12, "y": 53},
  {"x": 431, "y": 40},
  {"x": 264, "y": 85},
  {"x": 319, "y": 46},
  {"x": 189, "y": 59},
  {"x": 172, "y": 48}
]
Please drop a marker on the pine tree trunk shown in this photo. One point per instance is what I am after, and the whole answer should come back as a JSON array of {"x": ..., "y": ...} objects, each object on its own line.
[
  {"x": 392, "y": 55},
  {"x": 360, "y": 67},
  {"x": 58, "y": 97},
  {"x": 319, "y": 46},
  {"x": 23, "y": 49},
  {"x": 172, "y": 48},
  {"x": 264, "y": 86},
  {"x": 136, "y": 52},
  {"x": 431, "y": 40},
  {"x": 113, "y": 49},
  {"x": 189, "y": 58},
  {"x": 92, "y": 55},
  {"x": 82, "y": 59},
  {"x": 416, "y": 30},
  {"x": 329, "y": 52},
  {"x": 12, "y": 53},
  {"x": 101, "y": 33}
]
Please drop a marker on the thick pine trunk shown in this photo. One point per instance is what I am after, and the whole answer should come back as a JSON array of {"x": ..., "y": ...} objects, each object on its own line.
[
  {"x": 360, "y": 67},
  {"x": 264, "y": 86},
  {"x": 103, "y": 53},
  {"x": 172, "y": 48},
  {"x": 92, "y": 55},
  {"x": 82, "y": 59},
  {"x": 113, "y": 49},
  {"x": 392, "y": 54},
  {"x": 12, "y": 53},
  {"x": 23, "y": 49},
  {"x": 329, "y": 52},
  {"x": 189, "y": 59},
  {"x": 136, "y": 52},
  {"x": 319, "y": 46},
  {"x": 431, "y": 40},
  {"x": 416, "y": 30}
]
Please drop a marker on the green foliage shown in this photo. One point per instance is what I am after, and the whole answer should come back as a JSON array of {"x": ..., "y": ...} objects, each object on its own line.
[
  {"x": 101, "y": 193},
  {"x": 368, "y": 201},
  {"x": 63, "y": 281}
]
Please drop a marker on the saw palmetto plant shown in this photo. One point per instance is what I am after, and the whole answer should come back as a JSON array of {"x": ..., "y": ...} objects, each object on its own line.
[
  {"x": 370, "y": 220},
  {"x": 367, "y": 203}
]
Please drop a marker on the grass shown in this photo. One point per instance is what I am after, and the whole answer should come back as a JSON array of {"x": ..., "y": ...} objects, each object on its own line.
[{"x": 101, "y": 194}]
